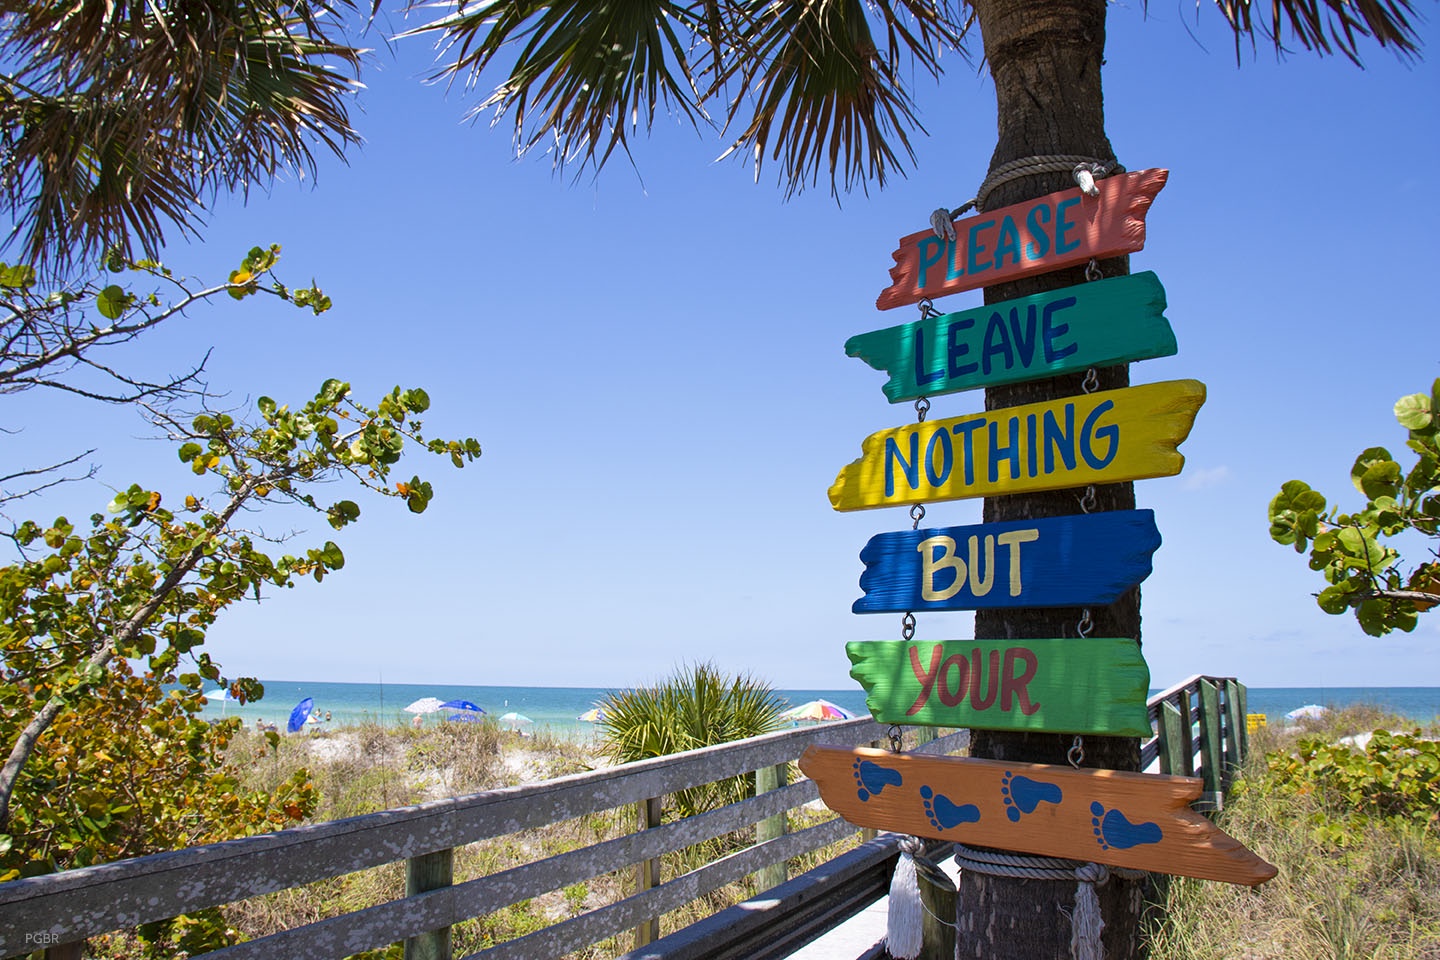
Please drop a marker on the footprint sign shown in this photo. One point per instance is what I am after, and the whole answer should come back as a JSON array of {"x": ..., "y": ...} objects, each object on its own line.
[{"x": 1137, "y": 820}]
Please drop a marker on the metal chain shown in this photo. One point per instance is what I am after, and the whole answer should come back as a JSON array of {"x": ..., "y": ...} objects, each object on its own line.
[
  {"x": 896, "y": 732},
  {"x": 917, "y": 513},
  {"x": 907, "y": 626},
  {"x": 1076, "y": 755},
  {"x": 1087, "y": 501},
  {"x": 1092, "y": 381},
  {"x": 1092, "y": 271},
  {"x": 922, "y": 407},
  {"x": 927, "y": 309},
  {"x": 1085, "y": 625}
]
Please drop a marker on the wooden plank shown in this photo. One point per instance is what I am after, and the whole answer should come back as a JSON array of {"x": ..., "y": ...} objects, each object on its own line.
[
  {"x": 647, "y": 871},
  {"x": 431, "y": 871},
  {"x": 1079, "y": 560},
  {"x": 1105, "y": 437},
  {"x": 1175, "y": 753},
  {"x": 1242, "y": 705},
  {"x": 94, "y": 900},
  {"x": 1211, "y": 746},
  {"x": 1234, "y": 729},
  {"x": 1038, "y": 236},
  {"x": 1089, "y": 325},
  {"x": 1096, "y": 685},
  {"x": 937, "y": 922},
  {"x": 766, "y": 780},
  {"x": 1136, "y": 820}
]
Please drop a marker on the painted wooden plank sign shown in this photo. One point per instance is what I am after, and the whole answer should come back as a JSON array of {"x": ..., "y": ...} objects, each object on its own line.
[
  {"x": 1094, "y": 685},
  {"x": 1054, "y": 231},
  {"x": 1089, "y": 325},
  {"x": 1137, "y": 820},
  {"x": 1072, "y": 561},
  {"x": 1105, "y": 437}
]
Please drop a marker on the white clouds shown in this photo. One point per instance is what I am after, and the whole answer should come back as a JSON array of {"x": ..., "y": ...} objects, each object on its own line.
[{"x": 1205, "y": 478}]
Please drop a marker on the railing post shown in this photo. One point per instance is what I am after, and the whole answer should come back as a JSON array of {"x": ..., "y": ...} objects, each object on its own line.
[
  {"x": 937, "y": 923},
  {"x": 1211, "y": 760},
  {"x": 771, "y": 828},
  {"x": 429, "y": 871},
  {"x": 1234, "y": 731},
  {"x": 1174, "y": 750},
  {"x": 647, "y": 872}
]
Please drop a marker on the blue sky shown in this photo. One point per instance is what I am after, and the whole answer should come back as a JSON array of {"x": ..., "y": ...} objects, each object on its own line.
[{"x": 653, "y": 362}]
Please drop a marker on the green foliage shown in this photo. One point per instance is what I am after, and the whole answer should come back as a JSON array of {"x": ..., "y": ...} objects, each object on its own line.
[
  {"x": 1395, "y": 777},
  {"x": 106, "y": 760},
  {"x": 1363, "y": 572},
  {"x": 698, "y": 706},
  {"x": 49, "y": 333}
]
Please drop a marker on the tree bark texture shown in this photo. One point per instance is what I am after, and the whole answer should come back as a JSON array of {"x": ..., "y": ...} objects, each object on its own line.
[{"x": 1045, "y": 58}]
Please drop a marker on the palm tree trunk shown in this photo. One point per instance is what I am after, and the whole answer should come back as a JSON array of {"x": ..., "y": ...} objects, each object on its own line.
[{"x": 1045, "y": 58}]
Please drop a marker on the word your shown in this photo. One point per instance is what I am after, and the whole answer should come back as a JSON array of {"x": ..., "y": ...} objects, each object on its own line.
[
  {"x": 971, "y": 677},
  {"x": 939, "y": 554}
]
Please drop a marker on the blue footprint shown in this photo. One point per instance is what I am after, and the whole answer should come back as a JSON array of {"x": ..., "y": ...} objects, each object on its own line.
[
  {"x": 873, "y": 778},
  {"x": 944, "y": 813},
  {"x": 1113, "y": 830},
  {"x": 1023, "y": 795}
]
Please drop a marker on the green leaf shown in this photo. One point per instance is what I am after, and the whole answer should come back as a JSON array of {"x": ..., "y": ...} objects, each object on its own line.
[
  {"x": 1363, "y": 463},
  {"x": 1414, "y": 412},
  {"x": 19, "y": 277},
  {"x": 189, "y": 451},
  {"x": 112, "y": 301}
]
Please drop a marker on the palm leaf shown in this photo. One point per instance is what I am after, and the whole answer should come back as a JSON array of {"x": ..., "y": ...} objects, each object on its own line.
[
  {"x": 121, "y": 116},
  {"x": 1324, "y": 26}
]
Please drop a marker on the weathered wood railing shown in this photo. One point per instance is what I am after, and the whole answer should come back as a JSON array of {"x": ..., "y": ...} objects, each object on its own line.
[
  {"x": 1199, "y": 732},
  {"x": 60, "y": 910}
]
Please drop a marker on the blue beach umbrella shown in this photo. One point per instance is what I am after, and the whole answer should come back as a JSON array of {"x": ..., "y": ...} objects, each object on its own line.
[
  {"x": 460, "y": 705},
  {"x": 298, "y": 715},
  {"x": 465, "y": 717}
]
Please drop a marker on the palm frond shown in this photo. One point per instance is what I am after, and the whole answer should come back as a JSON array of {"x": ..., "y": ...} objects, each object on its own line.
[
  {"x": 121, "y": 116},
  {"x": 585, "y": 73},
  {"x": 1324, "y": 26}
]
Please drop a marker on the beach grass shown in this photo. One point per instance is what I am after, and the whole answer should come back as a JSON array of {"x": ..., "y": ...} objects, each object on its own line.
[{"x": 1349, "y": 887}]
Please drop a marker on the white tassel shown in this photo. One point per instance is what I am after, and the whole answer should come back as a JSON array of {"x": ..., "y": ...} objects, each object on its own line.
[
  {"x": 903, "y": 934},
  {"x": 1086, "y": 924}
]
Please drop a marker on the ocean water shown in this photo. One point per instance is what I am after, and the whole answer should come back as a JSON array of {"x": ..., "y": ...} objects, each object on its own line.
[{"x": 557, "y": 709}]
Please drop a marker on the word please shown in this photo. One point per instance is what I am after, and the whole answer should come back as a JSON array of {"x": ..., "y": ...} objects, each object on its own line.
[{"x": 972, "y": 252}]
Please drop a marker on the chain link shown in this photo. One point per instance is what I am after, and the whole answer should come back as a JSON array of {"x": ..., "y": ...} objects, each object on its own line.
[
  {"x": 1091, "y": 382},
  {"x": 922, "y": 407},
  {"x": 927, "y": 307},
  {"x": 1076, "y": 755},
  {"x": 1085, "y": 625},
  {"x": 917, "y": 513},
  {"x": 907, "y": 626},
  {"x": 1092, "y": 271},
  {"x": 1087, "y": 501},
  {"x": 895, "y": 734}
]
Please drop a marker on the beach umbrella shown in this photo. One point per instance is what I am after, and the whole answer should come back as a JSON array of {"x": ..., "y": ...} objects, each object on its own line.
[
  {"x": 460, "y": 705},
  {"x": 817, "y": 710},
  {"x": 220, "y": 695},
  {"x": 425, "y": 705},
  {"x": 515, "y": 721},
  {"x": 593, "y": 715},
  {"x": 298, "y": 715},
  {"x": 465, "y": 717},
  {"x": 1311, "y": 711}
]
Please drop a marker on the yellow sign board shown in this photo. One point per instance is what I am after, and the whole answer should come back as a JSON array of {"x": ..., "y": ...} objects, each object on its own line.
[{"x": 1106, "y": 437}]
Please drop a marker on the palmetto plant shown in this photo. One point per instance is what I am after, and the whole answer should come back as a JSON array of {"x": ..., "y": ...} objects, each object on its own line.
[
  {"x": 697, "y": 706},
  {"x": 119, "y": 118}
]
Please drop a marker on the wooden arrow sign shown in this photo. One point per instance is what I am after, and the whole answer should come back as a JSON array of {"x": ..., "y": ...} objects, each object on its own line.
[
  {"x": 1090, "y": 325},
  {"x": 1106, "y": 437},
  {"x": 1084, "y": 559},
  {"x": 1055, "y": 231},
  {"x": 1137, "y": 820},
  {"x": 1094, "y": 685}
]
